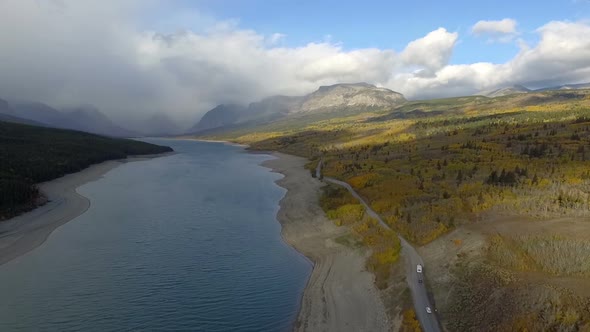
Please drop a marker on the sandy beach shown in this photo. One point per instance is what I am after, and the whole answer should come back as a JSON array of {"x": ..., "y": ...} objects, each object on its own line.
[
  {"x": 26, "y": 232},
  {"x": 340, "y": 294}
]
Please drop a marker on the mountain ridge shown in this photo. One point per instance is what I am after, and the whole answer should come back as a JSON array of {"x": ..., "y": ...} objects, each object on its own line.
[
  {"x": 326, "y": 99},
  {"x": 518, "y": 88}
]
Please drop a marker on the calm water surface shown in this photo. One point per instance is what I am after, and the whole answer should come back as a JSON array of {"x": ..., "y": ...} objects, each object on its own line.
[{"x": 185, "y": 242}]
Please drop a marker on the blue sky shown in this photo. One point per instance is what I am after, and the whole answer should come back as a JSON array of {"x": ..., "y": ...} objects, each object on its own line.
[{"x": 380, "y": 24}]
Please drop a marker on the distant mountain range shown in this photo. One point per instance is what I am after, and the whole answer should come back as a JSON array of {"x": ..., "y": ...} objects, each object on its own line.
[
  {"x": 567, "y": 87},
  {"x": 339, "y": 98},
  {"x": 522, "y": 89},
  {"x": 503, "y": 91},
  {"x": 83, "y": 118},
  {"x": 327, "y": 99}
]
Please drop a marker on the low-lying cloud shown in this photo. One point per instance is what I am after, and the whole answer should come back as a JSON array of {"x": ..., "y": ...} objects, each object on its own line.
[{"x": 67, "y": 52}]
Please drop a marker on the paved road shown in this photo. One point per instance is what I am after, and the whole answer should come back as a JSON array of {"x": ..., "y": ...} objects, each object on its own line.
[{"x": 428, "y": 321}]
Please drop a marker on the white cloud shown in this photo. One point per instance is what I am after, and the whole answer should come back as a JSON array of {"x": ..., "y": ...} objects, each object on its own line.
[
  {"x": 505, "y": 26},
  {"x": 561, "y": 56},
  {"x": 83, "y": 51},
  {"x": 502, "y": 30},
  {"x": 432, "y": 51}
]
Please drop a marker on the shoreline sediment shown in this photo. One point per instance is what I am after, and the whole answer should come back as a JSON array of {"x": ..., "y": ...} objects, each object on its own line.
[{"x": 340, "y": 294}]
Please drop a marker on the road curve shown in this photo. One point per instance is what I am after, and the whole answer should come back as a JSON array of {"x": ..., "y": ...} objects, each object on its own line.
[{"x": 429, "y": 322}]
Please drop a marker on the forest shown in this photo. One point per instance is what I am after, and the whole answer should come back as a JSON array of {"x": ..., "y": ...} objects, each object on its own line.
[{"x": 31, "y": 154}]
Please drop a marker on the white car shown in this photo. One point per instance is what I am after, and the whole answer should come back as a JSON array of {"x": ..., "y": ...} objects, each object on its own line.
[
  {"x": 428, "y": 310},
  {"x": 419, "y": 268}
]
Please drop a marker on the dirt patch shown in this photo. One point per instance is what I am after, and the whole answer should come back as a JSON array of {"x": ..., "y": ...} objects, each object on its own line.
[
  {"x": 513, "y": 288},
  {"x": 574, "y": 228}
]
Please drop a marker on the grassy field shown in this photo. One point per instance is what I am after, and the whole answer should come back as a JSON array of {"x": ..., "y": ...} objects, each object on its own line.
[{"x": 552, "y": 254}]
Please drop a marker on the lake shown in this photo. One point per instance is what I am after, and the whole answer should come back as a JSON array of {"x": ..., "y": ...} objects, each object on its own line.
[{"x": 187, "y": 242}]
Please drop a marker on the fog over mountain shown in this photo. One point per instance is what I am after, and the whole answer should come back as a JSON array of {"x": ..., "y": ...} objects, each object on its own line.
[
  {"x": 105, "y": 54},
  {"x": 82, "y": 118}
]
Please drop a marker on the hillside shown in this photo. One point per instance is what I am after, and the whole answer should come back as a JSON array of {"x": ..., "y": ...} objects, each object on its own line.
[
  {"x": 32, "y": 154},
  {"x": 220, "y": 116}
]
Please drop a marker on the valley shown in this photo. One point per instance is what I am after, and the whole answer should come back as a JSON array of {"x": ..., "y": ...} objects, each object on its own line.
[{"x": 295, "y": 166}]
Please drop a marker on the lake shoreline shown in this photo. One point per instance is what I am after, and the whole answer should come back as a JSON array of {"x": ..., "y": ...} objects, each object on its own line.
[
  {"x": 24, "y": 233},
  {"x": 340, "y": 294}
]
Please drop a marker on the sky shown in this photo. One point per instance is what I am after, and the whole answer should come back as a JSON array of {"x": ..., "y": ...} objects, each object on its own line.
[{"x": 133, "y": 58}]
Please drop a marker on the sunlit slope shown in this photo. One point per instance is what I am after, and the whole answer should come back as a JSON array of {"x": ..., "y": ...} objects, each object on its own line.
[{"x": 428, "y": 166}]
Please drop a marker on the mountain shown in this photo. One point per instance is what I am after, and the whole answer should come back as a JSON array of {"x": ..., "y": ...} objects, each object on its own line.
[
  {"x": 40, "y": 113},
  {"x": 13, "y": 119},
  {"x": 357, "y": 95},
  {"x": 159, "y": 124},
  {"x": 91, "y": 120},
  {"x": 270, "y": 108},
  {"x": 510, "y": 90},
  {"x": 220, "y": 116},
  {"x": 263, "y": 111},
  {"x": 7, "y": 115},
  {"x": 334, "y": 98},
  {"x": 85, "y": 118},
  {"x": 521, "y": 89},
  {"x": 567, "y": 87}
]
